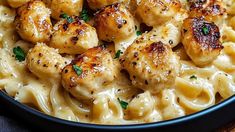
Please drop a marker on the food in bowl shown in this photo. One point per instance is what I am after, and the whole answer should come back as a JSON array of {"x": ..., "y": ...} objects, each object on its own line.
[{"x": 117, "y": 62}]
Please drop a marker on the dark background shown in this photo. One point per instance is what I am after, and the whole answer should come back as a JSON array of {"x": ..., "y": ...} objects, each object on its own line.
[{"x": 10, "y": 123}]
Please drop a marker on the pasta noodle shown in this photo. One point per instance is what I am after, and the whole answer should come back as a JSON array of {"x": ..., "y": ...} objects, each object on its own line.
[{"x": 141, "y": 71}]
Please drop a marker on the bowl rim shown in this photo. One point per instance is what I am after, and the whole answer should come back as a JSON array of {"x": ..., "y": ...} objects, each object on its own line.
[{"x": 164, "y": 123}]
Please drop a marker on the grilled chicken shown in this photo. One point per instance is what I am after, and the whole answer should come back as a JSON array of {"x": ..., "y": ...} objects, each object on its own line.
[
  {"x": 17, "y": 3},
  {"x": 152, "y": 65},
  {"x": 45, "y": 62},
  {"x": 98, "y": 4},
  {"x": 70, "y": 7},
  {"x": 33, "y": 22},
  {"x": 157, "y": 12},
  {"x": 73, "y": 38},
  {"x": 89, "y": 73},
  {"x": 201, "y": 40},
  {"x": 114, "y": 22}
]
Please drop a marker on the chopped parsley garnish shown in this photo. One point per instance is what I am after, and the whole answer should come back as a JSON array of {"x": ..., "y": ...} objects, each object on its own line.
[
  {"x": 77, "y": 69},
  {"x": 205, "y": 30},
  {"x": 123, "y": 103},
  {"x": 67, "y": 17},
  {"x": 138, "y": 33},
  {"x": 193, "y": 77},
  {"x": 19, "y": 53},
  {"x": 85, "y": 15},
  {"x": 118, "y": 53}
]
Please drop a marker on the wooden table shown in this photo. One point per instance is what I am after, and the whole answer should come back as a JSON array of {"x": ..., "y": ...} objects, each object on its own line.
[{"x": 228, "y": 128}]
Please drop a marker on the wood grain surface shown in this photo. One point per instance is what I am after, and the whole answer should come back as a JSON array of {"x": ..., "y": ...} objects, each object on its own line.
[{"x": 228, "y": 128}]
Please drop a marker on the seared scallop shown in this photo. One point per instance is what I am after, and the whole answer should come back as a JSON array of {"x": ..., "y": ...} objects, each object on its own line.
[
  {"x": 151, "y": 65},
  {"x": 98, "y": 4},
  {"x": 157, "y": 12},
  {"x": 73, "y": 38},
  {"x": 70, "y": 7},
  {"x": 201, "y": 40},
  {"x": 33, "y": 22},
  {"x": 45, "y": 62},
  {"x": 89, "y": 73},
  {"x": 17, "y": 3},
  {"x": 114, "y": 22}
]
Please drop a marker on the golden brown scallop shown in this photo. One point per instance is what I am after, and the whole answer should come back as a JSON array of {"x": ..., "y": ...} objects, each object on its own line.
[
  {"x": 201, "y": 40},
  {"x": 114, "y": 22},
  {"x": 73, "y": 38},
  {"x": 157, "y": 12},
  {"x": 70, "y": 7},
  {"x": 17, "y": 3},
  {"x": 151, "y": 65},
  {"x": 89, "y": 73},
  {"x": 45, "y": 62},
  {"x": 33, "y": 22},
  {"x": 98, "y": 4}
]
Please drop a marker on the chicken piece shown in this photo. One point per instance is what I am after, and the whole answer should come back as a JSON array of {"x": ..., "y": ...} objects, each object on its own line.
[
  {"x": 197, "y": 4},
  {"x": 45, "y": 62},
  {"x": 201, "y": 40},
  {"x": 157, "y": 12},
  {"x": 151, "y": 65},
  {"x": 212, "y": 10},
  {"x": 114, "y": 23},
  {"x": 89, "y": 73},
  {"x": 33, "y": 22},
  {"x": 73, "y": 38},
  {"x": 17, "y": 3},
  {"x": 98, "y": 4},
  {"x": 70, "y": 7}
]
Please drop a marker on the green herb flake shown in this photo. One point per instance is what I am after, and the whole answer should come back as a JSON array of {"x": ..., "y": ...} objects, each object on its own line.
[
  {"x": 193, "y": 77},
  {"x": 19, "y": 53},
  {"x": 123, "y": 103},
  {"x": 77, "y": 69},
  {"x": 138, "y": 33},
  {"x": 205, "y": 30},
  {"x": 85, "y": 15},
  {"x": 67, "y": 17},
  {"x": 118, "y": 53}
]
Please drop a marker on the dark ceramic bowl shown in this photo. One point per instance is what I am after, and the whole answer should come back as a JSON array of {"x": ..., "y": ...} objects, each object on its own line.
[{"x": 205, "y": 120}]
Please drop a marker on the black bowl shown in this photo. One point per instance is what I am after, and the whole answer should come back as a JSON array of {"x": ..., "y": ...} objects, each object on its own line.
[{"x": 205, "y": 120}]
